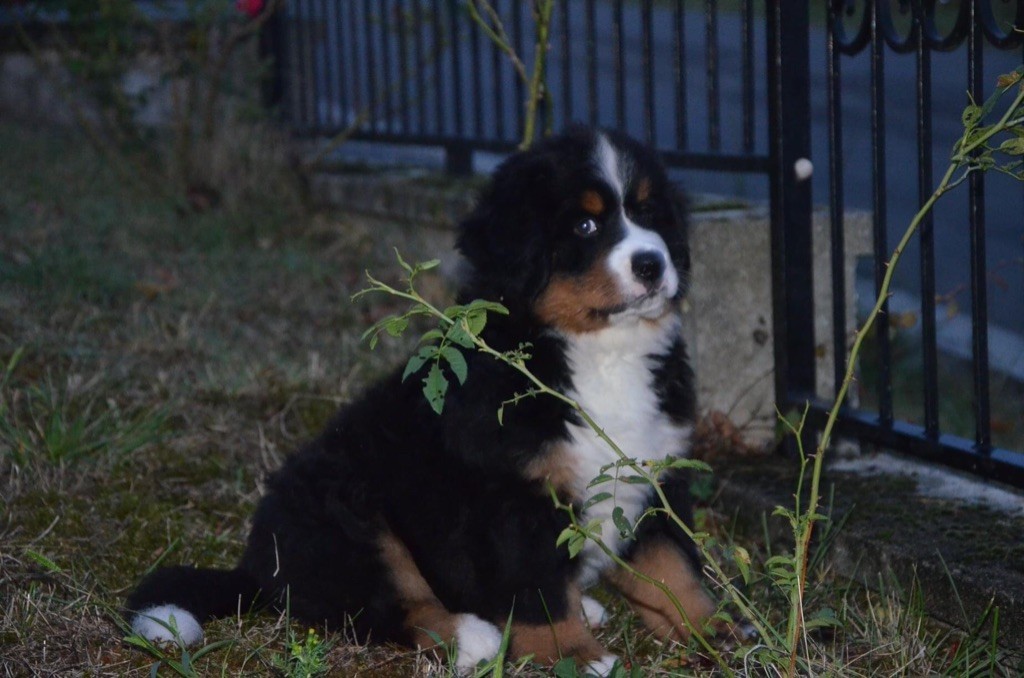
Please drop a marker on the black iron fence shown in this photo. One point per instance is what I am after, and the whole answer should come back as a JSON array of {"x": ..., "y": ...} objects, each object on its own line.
[
  {"x": 728, "y": 89},
  {"x": 935, "y": 403}
]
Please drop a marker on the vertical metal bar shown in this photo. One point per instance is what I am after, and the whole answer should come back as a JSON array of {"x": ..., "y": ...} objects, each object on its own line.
[
  {"x": 456, "y": 64},
  {"x": 680, "y": 72},
  {"x": 339, "y": 55},
  {"x": 926, "y": 234},
  {"x": 371, "y": 66},
  {"x": 879, "y": 202},
  {"x": 478, "y": 87},
  {"x": 620, "y": 66},
  {"x": 836, "y": 203},
  {"x": 747, "y": 74},
  {"x": 566, "y": 66},
  {"x": 420, "y": 67},
  {"x": 591, "y": 23},
  {"x": 711, "y": 52},
  {"x": 403, "y": 60},
  {"x": 517, "y": 37},
  {"x": 646, "y": 27},
  {"x": 273, "y": 46},
  {"x": 438, "y": 69},
  {"x": 497, "y": 59},
  {"x": 789, "y": 141},
  {"x": 385, "y": 48},
  {"x": 357, "y": 80},
  {"x": 328, "y": 64},
  {"x": 302, "y": 86},
  {"x": 979, "y": 275}
]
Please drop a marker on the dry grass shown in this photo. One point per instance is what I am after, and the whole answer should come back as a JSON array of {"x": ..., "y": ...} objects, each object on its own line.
[{"x": 164, "y": 364}]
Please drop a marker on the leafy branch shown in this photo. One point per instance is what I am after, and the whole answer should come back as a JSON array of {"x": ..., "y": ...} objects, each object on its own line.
[{"x": 487, "y": 18}]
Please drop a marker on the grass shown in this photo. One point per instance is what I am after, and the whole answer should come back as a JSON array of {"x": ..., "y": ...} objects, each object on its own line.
[{"x": 155, "y": 366}]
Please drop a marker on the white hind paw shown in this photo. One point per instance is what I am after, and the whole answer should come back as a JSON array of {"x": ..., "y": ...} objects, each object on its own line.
[
  {"x": 601, "y": 667},
  {"x": 153, "y": 622},
  {"x": 476, "y": 640}
]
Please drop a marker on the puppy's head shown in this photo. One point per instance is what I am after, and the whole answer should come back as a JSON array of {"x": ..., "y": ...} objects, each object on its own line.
[{"x": 582, "y": 231}]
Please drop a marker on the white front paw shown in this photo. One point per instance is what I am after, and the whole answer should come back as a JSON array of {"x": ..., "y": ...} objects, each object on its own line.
[
  {"x": 601, "y": 667},
  {"x": 476, "y": 640},
  {"x": 594, "y": 613}
]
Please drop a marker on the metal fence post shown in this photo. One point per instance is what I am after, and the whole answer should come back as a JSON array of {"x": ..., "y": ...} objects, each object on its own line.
[
  {"x": 272, "y": 47},
  {"x": 790, "y": 142}
]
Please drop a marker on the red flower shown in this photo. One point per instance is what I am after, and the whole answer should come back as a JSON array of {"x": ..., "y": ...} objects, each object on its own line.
[{"x": 250, "y": 7}]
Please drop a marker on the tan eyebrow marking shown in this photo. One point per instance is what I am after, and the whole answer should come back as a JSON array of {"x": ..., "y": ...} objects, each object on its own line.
[
  {"x": 592, "y": 202},
  {"x": 643, "y": 189}
]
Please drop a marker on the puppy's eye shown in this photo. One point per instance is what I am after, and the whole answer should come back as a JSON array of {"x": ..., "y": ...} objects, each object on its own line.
[{"x": 586, "y": 229}]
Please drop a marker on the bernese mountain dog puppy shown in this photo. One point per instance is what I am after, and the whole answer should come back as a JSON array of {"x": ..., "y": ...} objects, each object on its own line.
[{"x": 405, "y": 525}]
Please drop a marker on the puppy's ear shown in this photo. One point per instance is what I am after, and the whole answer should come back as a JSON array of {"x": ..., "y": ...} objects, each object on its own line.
[
  {"x": 679, "y": 242},
  {"x": 505, "y": 239}
]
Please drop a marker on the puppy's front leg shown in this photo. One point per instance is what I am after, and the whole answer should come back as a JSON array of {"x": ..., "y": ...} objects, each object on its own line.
[
  {"x": 566, "y": 637},
  {"x": 661, "y": 559}
]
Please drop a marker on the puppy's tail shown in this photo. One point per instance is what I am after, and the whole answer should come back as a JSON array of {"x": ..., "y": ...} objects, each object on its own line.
[{"x": 191, "y": 596}]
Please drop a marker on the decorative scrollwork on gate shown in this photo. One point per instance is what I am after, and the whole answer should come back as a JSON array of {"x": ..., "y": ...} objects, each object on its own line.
[{"x": 943, "y": 26}]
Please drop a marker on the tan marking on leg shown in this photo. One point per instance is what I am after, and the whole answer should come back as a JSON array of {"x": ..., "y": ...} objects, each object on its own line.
[
  {"x": 569, "y": 637},
  {"x": 573, "y": 303},
  {"x": 424, "y": 612},
  {"x": 592, "y": 202},
  {"x": 556, "y": 467},
  {"x": 662, "y": 561}
]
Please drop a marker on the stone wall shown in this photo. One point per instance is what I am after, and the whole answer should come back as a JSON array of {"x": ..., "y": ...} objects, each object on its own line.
[{"x": 728, "y": 312}]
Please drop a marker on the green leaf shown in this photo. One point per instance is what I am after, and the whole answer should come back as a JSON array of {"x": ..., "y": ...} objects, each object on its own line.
[
  {"x": 435, "y": 386},
  {"x": 206, "y": 649},
  {"x": 426, "y": 265},
  {"x": 431, "y": 335},
  {"x": 596, "y": 499},
  {"x": 476, "y": 321},
  {"x": 622, "y": 523},
  {"x": 822, "y": 618},
  {"x": 418, "y": 360},
  {"x": 457, "y": 335},
  {"x": 576, "y": 543},
  {"x": 492, "y": 306},
  {"x": 1013, "y": 146},
  {"x": 565, "y": 668},
  {"x": 600, "y": 480},
  {"x": 395, "y": 326},
  {"x": 42, "y": 560},
  {"x": 454, "y": 311},
  {"x": 695, "y": 464},
  {"x": 565, "y": 535},
  {"x": 457, "y": 362},
  {"x": 742, "y": 559},
  {"x": 971, "y": 115},
  {"x": 402, "y": 263}
]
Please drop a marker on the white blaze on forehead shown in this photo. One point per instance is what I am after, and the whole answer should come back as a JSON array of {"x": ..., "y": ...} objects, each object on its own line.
[
  {"x": 615, "y": 171},
  {"x": 608, "y": 163}
]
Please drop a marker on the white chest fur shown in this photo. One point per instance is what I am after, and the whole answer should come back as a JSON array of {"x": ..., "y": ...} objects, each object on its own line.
[{"x": 614, "y": 383}]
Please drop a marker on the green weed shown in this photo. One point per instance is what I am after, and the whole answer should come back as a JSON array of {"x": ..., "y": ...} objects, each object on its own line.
[
  {"x": 45, "y": 423},
  {"x": 306, "y": 658}
]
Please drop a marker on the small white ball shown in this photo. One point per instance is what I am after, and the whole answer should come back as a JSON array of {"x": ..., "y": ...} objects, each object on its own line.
[{"x": 803, "y": 168}]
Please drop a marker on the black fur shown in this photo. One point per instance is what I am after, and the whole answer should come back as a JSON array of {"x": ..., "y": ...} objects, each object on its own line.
[{"x": 453, "y": 487}]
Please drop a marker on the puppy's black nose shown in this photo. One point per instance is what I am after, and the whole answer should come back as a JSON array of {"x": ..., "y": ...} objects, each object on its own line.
[{"x": 648, "y": 267}]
